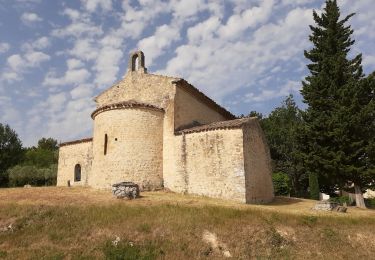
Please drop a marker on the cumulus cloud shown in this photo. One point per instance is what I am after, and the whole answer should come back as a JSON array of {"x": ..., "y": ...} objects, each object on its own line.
[
  {"x": 242, "y": 53},
  {"x": 72, "y": 76},
  {"x": 17, "y": 64},
  {"x": 251, "y": 17},
  {"x": 30, "y": 18},
  {"x": 82, "y": 91},
  {"x": 157, "y": 44},
  {"x": 93, "y": 5},
  {"x": 212, "y": 62},
  {"x": 107, "y": 66},
  {"x": 38, "y": 44},
  {"x": 4, "y": 47},
  {"x": 81, "y": 25}
]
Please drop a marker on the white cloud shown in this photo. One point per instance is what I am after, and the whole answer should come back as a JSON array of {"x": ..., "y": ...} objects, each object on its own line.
[
  {"x": 106, "y": 66},
  {"x": 93, "y": 5},
  {"x": 30, "y": 18},
  {"x": 15, "y": 62},
  {"x": 266, "y": 94},
  {"x": 30, "y": 59},
  {"x": 71, "y": 77},
  {"x": 251, "y": 17},
  {"x": 82, "y": 91},
  {"x": 204, "y": 31},
  {"x": 81, "y": 25},
  {"x": 34, "y": 58},
  {"x": 242, "y": 52},
  {"x": 156, "y": 44},
  {"x": 183, "y": 9},
  {"x": 74, "y": 64},
  {"x": 38, "y": 44},
  {"x": 4, "y": 47},
  {"x": 220, "y": 67},
  {"x": 85, "y": 49}
]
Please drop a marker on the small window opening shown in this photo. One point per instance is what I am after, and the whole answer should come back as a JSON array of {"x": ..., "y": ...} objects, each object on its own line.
[
  {"x": 105, "y": 143},
  {"x": 77, "y": 172},
  {"x": 136, "y": 65},
  {"x": 115, "y": 139}
]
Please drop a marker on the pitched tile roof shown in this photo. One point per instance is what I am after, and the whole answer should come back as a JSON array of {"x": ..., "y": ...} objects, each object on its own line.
[
  {"x": 121, "y": 105},
  {"x": 229, "y": 124},
  {"x": 85, "y": 140}
]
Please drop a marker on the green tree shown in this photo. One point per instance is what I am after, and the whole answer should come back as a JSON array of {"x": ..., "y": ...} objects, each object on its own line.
[
  {"x": 21, "y": 175},
  {"x": 48, "y": 144},
  {"x": 282, "y": 129},
  {"x": 334, "y": 141},
  {"x": 11, "y": 151},
  {"x": 281, "y": 183},
  {"x": 256, "y": 114},
  {"x": 314, "y": 186},
  {"x": 44, "y": 155},
  {"x": 40, "y": 157}
]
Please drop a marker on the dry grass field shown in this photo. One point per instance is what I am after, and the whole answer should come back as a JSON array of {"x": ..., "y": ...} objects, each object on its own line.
[{"x": 80, "y": 223}]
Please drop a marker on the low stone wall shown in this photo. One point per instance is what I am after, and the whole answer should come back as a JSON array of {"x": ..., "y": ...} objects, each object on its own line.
[
  {"x": 325, "y": 205},
  {"x": 329, "y": 206}
]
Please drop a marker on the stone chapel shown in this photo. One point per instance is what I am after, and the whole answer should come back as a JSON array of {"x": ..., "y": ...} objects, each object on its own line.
[{"x": 163, "y": 133}]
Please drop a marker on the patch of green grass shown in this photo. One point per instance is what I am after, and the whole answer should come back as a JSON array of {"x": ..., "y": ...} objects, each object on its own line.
[
  {"x": 309, "y": 221},
  {"x": 3, "y": 254},
  {"x": 129, "y": 251}
]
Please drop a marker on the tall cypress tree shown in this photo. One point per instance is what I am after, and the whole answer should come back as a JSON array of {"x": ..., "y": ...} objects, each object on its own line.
[{"x": 338, "y": 97}]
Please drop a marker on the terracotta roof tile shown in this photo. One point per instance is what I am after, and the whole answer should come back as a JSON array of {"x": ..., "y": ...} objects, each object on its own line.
[
  {"x": 121, "y": 105},
  {"x": 85, "y": 140},
  {"x": 229, "y": 124}
]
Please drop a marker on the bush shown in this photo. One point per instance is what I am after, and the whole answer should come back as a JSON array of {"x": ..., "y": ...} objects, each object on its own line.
[
  {"x": 281, "y": 183},
  {"x": 341, "y": 200},
  {"x": 22, "y": 175},
  {"x": 370, "y": 203}
]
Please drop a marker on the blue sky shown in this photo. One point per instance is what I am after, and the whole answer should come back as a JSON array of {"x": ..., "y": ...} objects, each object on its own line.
[{"x": 55, "y": 56}]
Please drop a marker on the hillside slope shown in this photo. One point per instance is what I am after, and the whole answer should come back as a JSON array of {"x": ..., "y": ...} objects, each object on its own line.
[{"x": 78, "y": 223}]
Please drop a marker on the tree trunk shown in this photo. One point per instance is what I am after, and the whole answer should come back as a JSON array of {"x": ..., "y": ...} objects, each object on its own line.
[{"x": 359, "y": 201}]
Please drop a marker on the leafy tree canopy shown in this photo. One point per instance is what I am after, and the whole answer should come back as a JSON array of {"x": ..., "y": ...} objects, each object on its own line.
[{"x": 11, "y": 151}]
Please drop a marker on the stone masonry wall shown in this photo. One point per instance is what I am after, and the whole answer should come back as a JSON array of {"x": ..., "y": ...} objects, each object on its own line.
[
  {"x": 69, "y": 156},
  {"x": 134, "y": 148},
  {"x": 211, "y": 164},
  {"x": 136, "y": 86},
  {"x": 257, "y": 159},
  {"x": 151, "y": 89},
  {"x": 188, "y": 109}
]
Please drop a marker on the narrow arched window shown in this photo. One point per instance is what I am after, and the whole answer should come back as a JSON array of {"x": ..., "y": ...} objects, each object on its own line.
[
  {"x": 105, "y": 143},
  {"x": 77, "y": 172}
]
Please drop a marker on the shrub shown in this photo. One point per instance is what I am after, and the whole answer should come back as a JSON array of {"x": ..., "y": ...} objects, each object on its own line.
[
  {"x": 22, "y": 175},
  {"x": 341, "y": 200},
  {"x": 281, "y": 183},
  {"x": 370, "y": 203}
]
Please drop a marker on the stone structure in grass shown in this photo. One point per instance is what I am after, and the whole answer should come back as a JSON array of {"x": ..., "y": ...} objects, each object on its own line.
[
  {"x": 162, "y": 132},
  {"x": 123, "y": 190}
]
